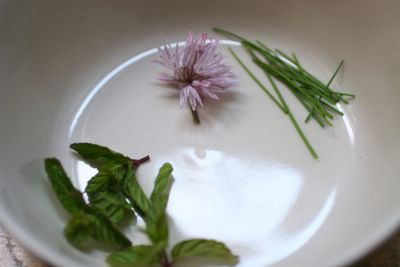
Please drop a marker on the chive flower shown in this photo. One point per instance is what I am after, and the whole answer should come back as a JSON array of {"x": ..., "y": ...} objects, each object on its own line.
[{"x": 198, "y": 70}]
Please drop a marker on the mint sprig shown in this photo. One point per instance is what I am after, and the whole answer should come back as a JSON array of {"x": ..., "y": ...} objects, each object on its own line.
[
  {"x": 112, "y": 204},
  {"x": 98, "y": 155},
  {"x": 115, "y": 192},
  {"x": 203, "y": 248},
  {"x": 68, "y": 196},
  {"x": 162, "y": 186},
  {"x": 141, "y": 255},
  {"x": 87, "y": 223},
  {"x": 135, "y": 193},
  {"x": 156, "y": 219},
  {"x": 93, "y": 226}
]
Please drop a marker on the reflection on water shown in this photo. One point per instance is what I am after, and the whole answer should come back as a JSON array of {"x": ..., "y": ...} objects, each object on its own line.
[
  {"x": 348, "y": 123},
  {"x": 84, "y": 173},
  {"x": 242, "y": 201},
  {"x": 281, "y": 244},
  {"x": 216, "y": 195}
]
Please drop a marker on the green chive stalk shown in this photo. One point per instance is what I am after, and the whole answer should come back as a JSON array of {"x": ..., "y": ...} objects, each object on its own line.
[{"x": 318, "y": 98}]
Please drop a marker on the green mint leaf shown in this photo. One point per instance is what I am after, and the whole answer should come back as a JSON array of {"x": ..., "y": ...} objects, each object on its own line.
[
  {"x": 162, "y": 186},
  {"x": 203, "y": 248},
  {"x": 104, "y": 231},
  {"x": 104, "y": 191},
  {"x": 68, "y": 196},
  {"x": 78, "y": 231},
  {"x": 92, "y": 225},
  {"x": 156, "y": 219},
  {"x": 107, "y": 177},
  {"x": 112, "y": 204},
  {"x": 102, "y": 181},
  {"x": 157, "y": 224},
  {"x": 97, "y": 155},
  {"x": 118, "y": 171},
  {"x": 142, "y": 255},
  {"x": 134, "y": 192}
]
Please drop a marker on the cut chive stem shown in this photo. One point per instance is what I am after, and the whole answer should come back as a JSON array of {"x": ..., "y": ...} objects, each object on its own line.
[
  {"x": 293, "y": 120},
  {"x": 278, "y": 92},
  {"x": 317, "y": 97},
  {"x": 262, "y": 45},
  {"x": 298, "y": 65},
  {"x": 283, "y": 105},
  {"x": 283, "y": 54},
  {"x": 225, "y": 32},
  {"x": 335, "y": 73},
  {"x": 346, "y": 94},
  {"x": 302, "y": 135},
  {"x": 308, "y": 117},
  {"x": 256, "y": 80},
  {"x": 333, "y": 109},
  {"x": 285, "y": 78}
]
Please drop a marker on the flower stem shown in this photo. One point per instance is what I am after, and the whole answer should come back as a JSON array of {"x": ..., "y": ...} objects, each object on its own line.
[
  {"x": 137, "y": 162},
  {"x": 195, "y": 116}
]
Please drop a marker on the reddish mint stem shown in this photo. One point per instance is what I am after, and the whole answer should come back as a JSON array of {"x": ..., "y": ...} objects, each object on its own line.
[
  {"x": 138, "y": 162},
  {"x": 164, "y": 260}
]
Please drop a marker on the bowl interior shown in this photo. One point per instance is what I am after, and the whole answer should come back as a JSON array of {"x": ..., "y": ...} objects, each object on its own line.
[{"x": 83, "y": 71}]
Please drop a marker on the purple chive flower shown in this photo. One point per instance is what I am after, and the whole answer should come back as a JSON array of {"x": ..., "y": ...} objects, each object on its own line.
[{"x": 199, "y": 70}]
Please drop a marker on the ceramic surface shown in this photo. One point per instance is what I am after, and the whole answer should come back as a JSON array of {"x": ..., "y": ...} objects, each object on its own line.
[{"x": 74, "y": 71}]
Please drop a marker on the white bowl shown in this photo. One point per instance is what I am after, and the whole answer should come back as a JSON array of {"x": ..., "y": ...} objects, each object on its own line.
[{"x": 82, "y": 71}]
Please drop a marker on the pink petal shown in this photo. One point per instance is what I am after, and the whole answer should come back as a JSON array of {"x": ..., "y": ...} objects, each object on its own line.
[{"x": 199, "y": 69}]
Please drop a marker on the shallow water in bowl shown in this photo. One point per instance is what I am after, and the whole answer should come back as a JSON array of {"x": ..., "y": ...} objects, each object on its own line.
[
  {"x": 244, "y": 173},
  {"x": 243, "y": 176}
]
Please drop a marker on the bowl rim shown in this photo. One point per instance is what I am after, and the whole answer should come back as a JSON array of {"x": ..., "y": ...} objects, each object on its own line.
[{"x": 372, "y": 241}]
